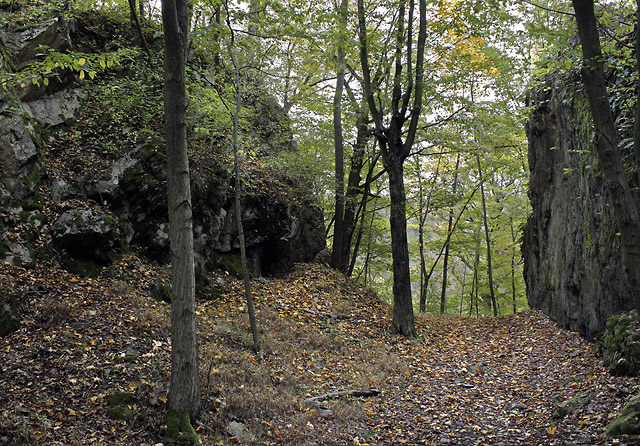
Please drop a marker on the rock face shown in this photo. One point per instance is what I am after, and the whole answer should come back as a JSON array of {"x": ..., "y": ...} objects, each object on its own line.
[
  {"x": 571, "y": 250},
  {"x": 20, "y": 164},
  {"x": 118, "y": 202},
  {"x": 279, "y": 230}
]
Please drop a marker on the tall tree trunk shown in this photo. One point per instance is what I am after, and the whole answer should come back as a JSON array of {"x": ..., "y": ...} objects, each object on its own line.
[
  {"x": 243, "y": 250},
  {"x": 488, "y": 239},
  {"x": 464, "y": 283},
  {"x": 404, "y": 107},
  {"x": 513, "y": 266},
  {"x": 636, "y": 122},
  {"x": 606, "y": 144},
  {"x": 424, "y": 209},
  {"x": 403, "y": 319},
  {"x": 184, "y": 391},
  {"x": 445, "y": 262},
  {"x": 338, "y": 228},
  {"x": 475, "y": 280}
]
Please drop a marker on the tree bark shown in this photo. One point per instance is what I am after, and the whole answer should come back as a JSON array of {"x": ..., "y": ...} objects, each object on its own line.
[
  {"x": 184, "y": 391},
  {"x": 636, "y": 122},
  {"x": 606, "y": 144},
  {"x": 134, "y": 17},
  {"x": 403, "y": 319},
  {"x": 445, "y": 262},
  {"x": 238, "y": 208},
  {"x": 488, "y": 239},
  {"x": 353, "y": 190},
  {"x": 390, "y": 139},
  {"x": 338, "y": 228}
]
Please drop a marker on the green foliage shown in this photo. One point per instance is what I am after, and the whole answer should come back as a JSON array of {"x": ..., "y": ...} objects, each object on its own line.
[
  {"x": 127, "y": 106},
  {"x": 208, "y": 114},
  {"x": 52, "y": 63}
]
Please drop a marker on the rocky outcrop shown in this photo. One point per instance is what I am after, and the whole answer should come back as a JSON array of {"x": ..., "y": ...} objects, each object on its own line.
[
  {"x": 112, "y": 199},
  {"x": 280, "y": 230},
  {"x": 25, "y": 44},
  {"x": 571, "y": 250},
  {"x": 20, "y": 164}
]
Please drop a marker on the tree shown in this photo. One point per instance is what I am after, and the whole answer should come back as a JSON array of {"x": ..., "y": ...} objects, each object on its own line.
[
  {"x": 606, "y": 143},
  {"x": 395, "y": 140},
  {"x": 238, "y": 206},
  {"x": 338, "y": 227},
  {"x": 184, "y": 400}
]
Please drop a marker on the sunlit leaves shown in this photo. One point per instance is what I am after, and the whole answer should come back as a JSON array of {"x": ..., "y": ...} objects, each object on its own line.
[{"x": 53, "y": 63}]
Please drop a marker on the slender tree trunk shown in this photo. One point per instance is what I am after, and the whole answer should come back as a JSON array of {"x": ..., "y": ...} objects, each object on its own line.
[
  {"x": 606, "y": 143},
  {"x": 513, "y": 266},
  {"x": 338, "y": 228},
  {"x": 353, "y": 190},
  {"x": 134, "y": 18},
  {"x": 476, "y": 276},
  {"x": 363, "y": 213},
  {"x": 464, "y": 283},
  {"x": 404, "y": 107},
  {"x": 445, "y": 265},
  {"x": 238, "y": 207},
  {"x": 421, "y": 221},
  {"x": 488, "y": 239},
  {"x": 184, "y": 391}
]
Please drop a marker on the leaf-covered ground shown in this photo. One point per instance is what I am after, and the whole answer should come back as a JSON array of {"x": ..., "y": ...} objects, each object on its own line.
[{"x": 492, "y": 381}]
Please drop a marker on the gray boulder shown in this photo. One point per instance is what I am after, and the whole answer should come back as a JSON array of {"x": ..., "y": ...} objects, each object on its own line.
[
  {"x": 20, "y": 164},
  {"x": 88, "y": 240},
  {"x": 23, "y": 44}
]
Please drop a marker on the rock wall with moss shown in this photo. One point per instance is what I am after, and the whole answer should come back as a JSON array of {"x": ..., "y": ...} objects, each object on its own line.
[
  {"x": 571, "y": 245},
  {"x": 96, "y": 186}
]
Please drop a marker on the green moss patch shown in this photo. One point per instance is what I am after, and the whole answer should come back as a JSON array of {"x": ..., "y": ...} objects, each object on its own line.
[
  {"x": 620, "y": 344},
  {"x": 179, "y": 428},
  {"x": 628, "y": 422}
]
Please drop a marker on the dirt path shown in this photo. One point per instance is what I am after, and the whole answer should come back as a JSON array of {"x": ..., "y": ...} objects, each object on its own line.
[{"x": 497, "y": 381}]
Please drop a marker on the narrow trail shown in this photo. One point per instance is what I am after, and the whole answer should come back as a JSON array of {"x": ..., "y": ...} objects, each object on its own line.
[{"x": 497, "y": 381}]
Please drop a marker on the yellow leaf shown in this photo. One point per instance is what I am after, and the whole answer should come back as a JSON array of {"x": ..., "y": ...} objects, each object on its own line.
[
  {"x": 81, "y": 74},
  {"x": 552, "y": 430},
  {"x": 82, "y": 61}
]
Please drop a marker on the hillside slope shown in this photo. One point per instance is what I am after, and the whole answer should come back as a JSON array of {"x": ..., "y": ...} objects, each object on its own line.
[{"x": 494, "y": 381}]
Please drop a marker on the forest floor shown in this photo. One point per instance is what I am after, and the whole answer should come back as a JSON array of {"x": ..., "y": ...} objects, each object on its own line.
[{"x": 467, "y": 381}]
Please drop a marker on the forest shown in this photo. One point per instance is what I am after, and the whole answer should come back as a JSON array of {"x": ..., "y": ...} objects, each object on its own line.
[{"x": 375, "y": 222}]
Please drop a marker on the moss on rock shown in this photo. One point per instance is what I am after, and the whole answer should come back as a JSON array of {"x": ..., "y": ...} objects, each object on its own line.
[
  {"x": 120, "y": 413},
  {"x": 620, "y": 344},
  {"x": 628, "y": 421},
  {"x": 569, "y": 406},
  {"x": 119, "y": 398}
]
